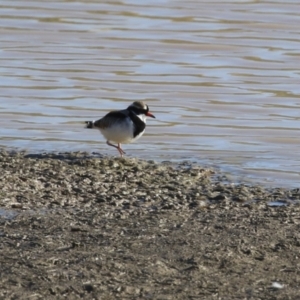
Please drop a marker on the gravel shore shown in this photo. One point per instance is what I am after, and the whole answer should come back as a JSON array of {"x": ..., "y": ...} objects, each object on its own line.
[{"x": 78, "y": 225}]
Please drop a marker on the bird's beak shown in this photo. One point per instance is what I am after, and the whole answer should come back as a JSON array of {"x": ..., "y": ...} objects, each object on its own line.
[{"x": 148, "y": 114}]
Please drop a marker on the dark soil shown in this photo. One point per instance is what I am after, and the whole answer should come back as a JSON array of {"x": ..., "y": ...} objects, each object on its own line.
[{"x": 77, "y": 226}]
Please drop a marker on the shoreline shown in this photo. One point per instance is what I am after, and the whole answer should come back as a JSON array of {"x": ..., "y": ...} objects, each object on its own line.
[
  {"x": 213, "y": 185},
  {"x": 236, "y": 173},
  {"x": 127, "y": 228}
]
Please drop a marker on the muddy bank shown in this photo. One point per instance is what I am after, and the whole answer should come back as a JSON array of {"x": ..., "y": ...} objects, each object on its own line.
[{"x": 77, "y": 225}]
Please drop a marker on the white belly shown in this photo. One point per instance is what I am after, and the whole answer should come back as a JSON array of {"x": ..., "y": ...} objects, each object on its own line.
[{"x": 120, "y": 132}]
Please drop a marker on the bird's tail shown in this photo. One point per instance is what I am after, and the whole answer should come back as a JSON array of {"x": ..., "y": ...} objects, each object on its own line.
[{"x": 89, "y": 124}]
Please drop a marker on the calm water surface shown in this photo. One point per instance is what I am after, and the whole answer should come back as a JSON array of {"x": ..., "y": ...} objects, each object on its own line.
[{"x": 221, "y": 77}]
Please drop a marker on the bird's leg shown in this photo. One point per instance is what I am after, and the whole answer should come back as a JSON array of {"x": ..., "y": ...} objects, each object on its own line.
[
  {"x": 117, "y": 147},
  {"x": 121, "y": 151}
]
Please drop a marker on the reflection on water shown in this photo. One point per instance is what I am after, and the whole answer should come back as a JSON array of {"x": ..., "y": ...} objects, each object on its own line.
[{"x": 222, "y": 79}]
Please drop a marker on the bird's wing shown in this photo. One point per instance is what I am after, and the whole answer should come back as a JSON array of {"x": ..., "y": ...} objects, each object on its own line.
[{"x": 111, "y": 118}]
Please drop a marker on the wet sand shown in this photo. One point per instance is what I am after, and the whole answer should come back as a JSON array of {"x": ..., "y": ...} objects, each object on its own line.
[{"x": 76, "y": 225}]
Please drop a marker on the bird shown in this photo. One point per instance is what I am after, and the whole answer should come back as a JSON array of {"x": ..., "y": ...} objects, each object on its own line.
[{"x": 123, "y": 126}]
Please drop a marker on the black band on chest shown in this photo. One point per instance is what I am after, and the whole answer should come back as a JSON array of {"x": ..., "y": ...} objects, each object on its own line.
[{"x": 139, "y": 125}]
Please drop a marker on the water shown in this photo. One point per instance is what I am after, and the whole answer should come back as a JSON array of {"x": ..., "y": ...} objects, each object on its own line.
[
  {"x": 221, "y": 77},
  {"x": 277, "y": 204},
  {"x": 7, "y": 214}
]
